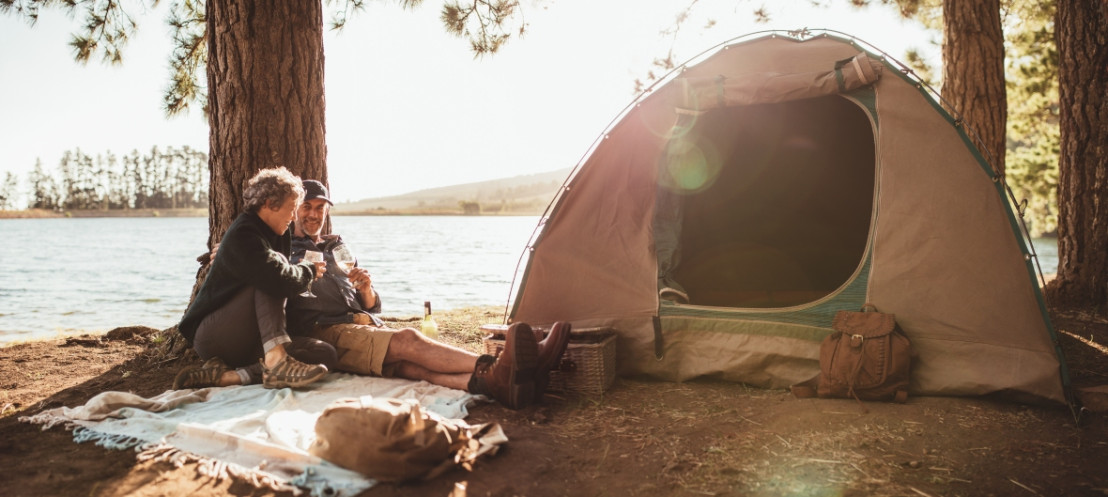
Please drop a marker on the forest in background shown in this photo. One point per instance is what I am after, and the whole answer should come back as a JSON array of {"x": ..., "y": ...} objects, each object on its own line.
[{"x": 169, "y": 178}]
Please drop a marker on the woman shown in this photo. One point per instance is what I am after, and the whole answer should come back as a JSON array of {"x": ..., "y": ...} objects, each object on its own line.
[{"x": 238, "y": 318}]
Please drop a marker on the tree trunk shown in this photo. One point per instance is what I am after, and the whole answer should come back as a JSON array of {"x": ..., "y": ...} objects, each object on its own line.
[
  {"x": 265, "y": 106},
  {"x": 1081, "y": 33},
  {"x": 265, "y": 103},
  {"x": 973, "y": 71},
  {"x": 265, "y": 97}
]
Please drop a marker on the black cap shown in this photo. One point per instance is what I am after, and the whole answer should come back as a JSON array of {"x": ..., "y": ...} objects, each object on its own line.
[{"x": 314, "y": 189}]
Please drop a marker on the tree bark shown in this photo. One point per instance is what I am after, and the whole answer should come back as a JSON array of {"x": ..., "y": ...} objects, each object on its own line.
[
  {"x": 1081, "y": 34},
  {"x": 973, "y": 72},
  {"x": 265, "y": 97}
]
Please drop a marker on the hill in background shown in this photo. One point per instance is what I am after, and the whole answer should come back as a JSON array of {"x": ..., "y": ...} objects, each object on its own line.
[{"x": 519, "y": 195}]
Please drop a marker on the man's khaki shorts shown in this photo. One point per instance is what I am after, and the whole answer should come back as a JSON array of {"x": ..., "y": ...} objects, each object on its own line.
[{"x": 361, "y": 348}]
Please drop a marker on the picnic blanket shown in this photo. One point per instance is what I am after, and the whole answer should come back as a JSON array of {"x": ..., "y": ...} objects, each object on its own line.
[{"x": 251, "y": 433}]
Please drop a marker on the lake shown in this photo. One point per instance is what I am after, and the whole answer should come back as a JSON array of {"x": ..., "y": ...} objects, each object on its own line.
[{"x": 95, "y": 274}]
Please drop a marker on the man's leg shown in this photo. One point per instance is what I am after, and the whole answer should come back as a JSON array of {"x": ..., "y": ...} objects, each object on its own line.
[
  {"x": 509, "y": 378},
  {"x": 411, "y": 346},
  {"x": 311, "y": 351},
  {"x": 413, "y": 371},
  {"x": 363, "y": 349},
  {"x": 417, "y": 357},
  {"x": 360, "y": 349}
]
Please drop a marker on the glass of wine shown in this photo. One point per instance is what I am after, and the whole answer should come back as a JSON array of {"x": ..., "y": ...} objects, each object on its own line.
[
  {"x": 344, "y": 258},
  {"x": 312, "y": 257}
]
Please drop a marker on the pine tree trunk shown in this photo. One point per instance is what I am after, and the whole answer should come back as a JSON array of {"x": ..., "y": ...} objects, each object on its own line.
[
  {"x": 265, "y": 97},
  {"x": 265, "y": 100},
  {"x": 265, "y": 106},
  {"x": 1081, "y": 33},
  {"x": 973, "y": 71}
]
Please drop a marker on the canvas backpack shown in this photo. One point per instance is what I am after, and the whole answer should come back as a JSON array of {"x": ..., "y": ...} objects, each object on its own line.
[
  {"x": 396, "y": 440},
  {"x": 867, "y": 357}
]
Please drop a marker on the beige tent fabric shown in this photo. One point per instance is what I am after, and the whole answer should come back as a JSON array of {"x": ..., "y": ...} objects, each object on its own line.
[
  {"x": 702, "y": 93},
  {"x": 945, "y": 255},
  {"x": 595, "y": 258},
  {"x": 946, "y": 259}
]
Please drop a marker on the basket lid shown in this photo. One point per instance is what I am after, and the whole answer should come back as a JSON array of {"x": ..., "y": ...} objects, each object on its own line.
[{"x": 496, "y": 329}]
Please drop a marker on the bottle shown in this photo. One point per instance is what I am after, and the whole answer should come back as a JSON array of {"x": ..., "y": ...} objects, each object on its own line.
[{"x": 430, "y": 328}]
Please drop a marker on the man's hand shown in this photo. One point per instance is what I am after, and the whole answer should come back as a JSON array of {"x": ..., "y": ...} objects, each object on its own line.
[
  {"x": 360, "y": 279},
  {"x": 360, "y": 318},
  {"x": 362, "y": 282}
]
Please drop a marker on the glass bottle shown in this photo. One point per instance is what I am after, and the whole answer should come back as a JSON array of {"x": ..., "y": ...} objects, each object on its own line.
[{"x": 429, "y": 328}]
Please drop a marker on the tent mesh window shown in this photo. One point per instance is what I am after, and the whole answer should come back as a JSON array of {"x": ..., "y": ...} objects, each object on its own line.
[{"x": 783, "y": 215}]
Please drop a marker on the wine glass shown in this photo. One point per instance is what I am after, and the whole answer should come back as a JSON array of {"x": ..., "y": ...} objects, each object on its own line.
[
  {"x": 312, "y": 257},
  {"x": 344, "y": 258}
]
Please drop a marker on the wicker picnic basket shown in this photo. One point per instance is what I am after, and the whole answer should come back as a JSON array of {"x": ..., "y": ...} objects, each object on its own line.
[{"x": 588, "y": 366}]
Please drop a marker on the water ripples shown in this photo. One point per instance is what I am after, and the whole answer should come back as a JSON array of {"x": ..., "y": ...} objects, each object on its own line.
[{"x": 94, "y": 274}]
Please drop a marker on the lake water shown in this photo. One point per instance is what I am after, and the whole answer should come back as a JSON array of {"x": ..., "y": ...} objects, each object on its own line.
[
  {"x": 63, "y": 276},
  {"x": 95, "y": 274}
]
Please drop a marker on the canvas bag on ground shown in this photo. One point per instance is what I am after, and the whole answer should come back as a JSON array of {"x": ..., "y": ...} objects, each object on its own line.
[
  {"x": 867, "y": 357},
  {"x": 393, "y": 440}
]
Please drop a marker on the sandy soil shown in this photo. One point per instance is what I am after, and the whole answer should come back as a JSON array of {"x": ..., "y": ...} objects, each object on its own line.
[{"x": 641, "y": 438}]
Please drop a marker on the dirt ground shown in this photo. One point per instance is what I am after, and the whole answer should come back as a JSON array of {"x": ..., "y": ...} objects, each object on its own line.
[{"x": 641, "y": 438}]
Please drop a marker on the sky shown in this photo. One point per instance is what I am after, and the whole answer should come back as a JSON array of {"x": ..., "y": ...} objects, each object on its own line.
[{"x": 408, "y": 106}]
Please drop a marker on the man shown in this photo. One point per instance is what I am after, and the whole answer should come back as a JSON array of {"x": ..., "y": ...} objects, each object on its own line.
[{"x": 341, "y": 314}]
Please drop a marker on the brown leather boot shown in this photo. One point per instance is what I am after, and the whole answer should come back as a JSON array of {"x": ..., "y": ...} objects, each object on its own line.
[
  {"x": 551, "y": 350},
  {"x": 510, "y": 378}
]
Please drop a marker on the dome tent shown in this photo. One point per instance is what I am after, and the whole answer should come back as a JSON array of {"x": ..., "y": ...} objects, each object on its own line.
[{"x": 725, "y": 217}]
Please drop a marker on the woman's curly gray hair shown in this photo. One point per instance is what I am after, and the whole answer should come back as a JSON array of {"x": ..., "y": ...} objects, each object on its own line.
[{"x": 272, "y": 187}]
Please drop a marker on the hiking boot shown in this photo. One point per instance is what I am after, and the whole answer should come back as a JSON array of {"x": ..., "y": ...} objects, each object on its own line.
[
  {"x": 551, "y": 350},
  {"x": 203, "y": 376},
  {"x": 291, "y": 373},
  {"x": 510, "y": 377}
]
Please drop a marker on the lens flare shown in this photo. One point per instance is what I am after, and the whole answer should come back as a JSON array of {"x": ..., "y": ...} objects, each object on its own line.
[{"x": 691, "y": 166}]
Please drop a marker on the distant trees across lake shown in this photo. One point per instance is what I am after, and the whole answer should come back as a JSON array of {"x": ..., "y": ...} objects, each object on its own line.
[{"x": 168, "y": 178}]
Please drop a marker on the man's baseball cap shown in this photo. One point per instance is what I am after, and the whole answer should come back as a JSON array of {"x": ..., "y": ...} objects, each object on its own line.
[{"x": 314, "y": 189}]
